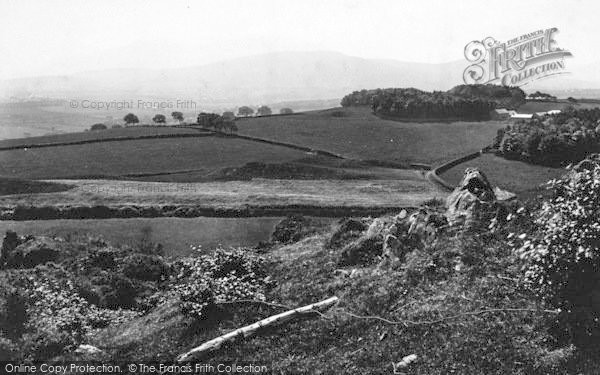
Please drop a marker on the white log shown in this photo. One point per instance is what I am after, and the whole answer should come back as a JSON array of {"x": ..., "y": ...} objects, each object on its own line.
[{"x": 251, "y": 329}]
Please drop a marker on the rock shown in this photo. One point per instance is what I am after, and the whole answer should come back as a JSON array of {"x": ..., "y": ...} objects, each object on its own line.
[
  {"x": 424, "y": 225},
  {"x": 405, "y": 362},
  {"x": 504, "y": 195},
  {"x": 34, "y": 251},
  {"x": 473, "y": 201},
  {"x": 393, "y": 251},
  {"x": 376, "y": 228},
  {"x": 88, "y": 349}
]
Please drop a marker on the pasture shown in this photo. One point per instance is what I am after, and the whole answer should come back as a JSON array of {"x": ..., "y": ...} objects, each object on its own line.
[
  {"x": 175, "y": 234},
  {"x": 357, "y": 133},
  {"x": 518, "y": 177},
  {"x": 129, "y": 132},
  {"x": 542, "y": 106},
  {"x": 138, "y": 157},
  {"x": 408, "y": 191}
]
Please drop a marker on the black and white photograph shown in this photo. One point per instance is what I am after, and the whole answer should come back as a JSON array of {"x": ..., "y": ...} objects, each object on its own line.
[{"x": 300, "y": 187}]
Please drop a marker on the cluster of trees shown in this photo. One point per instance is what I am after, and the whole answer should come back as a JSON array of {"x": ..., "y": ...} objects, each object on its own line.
[
  {"x": 538, "y": 95},
  {"x": 552, "y": 140},
  {"x": 464, "y": 101},
  {"x": 263, "y": 110},
  {"x": 224, "y": 123}
]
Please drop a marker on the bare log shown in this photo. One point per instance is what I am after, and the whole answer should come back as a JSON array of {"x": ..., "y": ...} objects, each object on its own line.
[{"x": 252, "y": 329}]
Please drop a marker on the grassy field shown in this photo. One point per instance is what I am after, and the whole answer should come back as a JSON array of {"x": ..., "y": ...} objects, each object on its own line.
[
  {"x": 409, "y": 191},
  {"x": 540, "y": 106},
  {"x": 108, "y": 159},
  {"x": 519, "y": 177},
  {"x": 356, "y": 133},
  {"x": 136, "y": 131},
  {"x": 175, "y": 234}
]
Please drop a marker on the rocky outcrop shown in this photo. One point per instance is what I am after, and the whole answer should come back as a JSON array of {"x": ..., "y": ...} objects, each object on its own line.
[
  {"x": 389, "y": 239},
  {"x": 473, "y": 202}
]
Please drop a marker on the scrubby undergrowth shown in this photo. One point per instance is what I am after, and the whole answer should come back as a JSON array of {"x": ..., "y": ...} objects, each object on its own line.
[{"x": 460, "y": 303}]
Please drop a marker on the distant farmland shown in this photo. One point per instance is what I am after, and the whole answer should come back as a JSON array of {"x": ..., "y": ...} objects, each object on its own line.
[
  {"x": 130, "y": 132},
  {"x": 111, "y": 159},
  {"x": 356, "y": 133}
]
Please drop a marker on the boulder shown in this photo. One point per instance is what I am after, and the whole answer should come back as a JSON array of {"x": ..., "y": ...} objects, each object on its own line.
[
  {"x": 473, "y": 201},
  {"x": 87, "y": 349}
]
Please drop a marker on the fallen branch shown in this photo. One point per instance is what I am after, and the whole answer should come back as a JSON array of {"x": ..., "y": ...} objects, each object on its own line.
[{"x": 251, "y": 329}]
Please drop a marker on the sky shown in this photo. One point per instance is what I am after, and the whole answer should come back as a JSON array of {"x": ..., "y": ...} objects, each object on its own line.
[{"x": 61, "y": 37}]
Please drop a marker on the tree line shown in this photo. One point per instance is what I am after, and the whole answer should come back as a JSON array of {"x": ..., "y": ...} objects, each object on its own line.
[
  {"x": 461, "y": 102},
  {"x": 552, "y": 140},
  {"x": 218, "y": 122}
]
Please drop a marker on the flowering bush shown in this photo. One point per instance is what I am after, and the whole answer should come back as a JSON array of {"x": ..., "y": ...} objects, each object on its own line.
[
  {"x": 58, "y": 318},
  {"x": 209, "y": 280},
  {"x": 563, "y": 255}
]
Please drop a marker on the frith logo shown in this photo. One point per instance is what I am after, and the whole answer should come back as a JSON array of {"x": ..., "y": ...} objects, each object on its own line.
[{"x": 517, "y": 62}]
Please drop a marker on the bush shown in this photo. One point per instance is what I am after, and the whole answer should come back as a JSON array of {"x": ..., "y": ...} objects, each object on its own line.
[
  {"x": 145, "y": 267},
  {"x": 348, "y": 229},
  {"x": 291, "y": 229},
  {"x": 225, "y": 276},
  {"x": 98, "y": 127},
  {"x": 563, "y": 254},
  {"x": 364, "y": 250}
]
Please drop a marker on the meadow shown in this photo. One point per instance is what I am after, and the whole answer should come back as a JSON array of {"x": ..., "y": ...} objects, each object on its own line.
[
  {"x": 409, "y": 191},
  {"x": 87, "y": 136},
  {"x": 135, "y": 157},
  {"x": 357, "y": 133},
  {"x": 176, "y": 235},
  {"x": 542, "y": 106},
  {"x": 518, "y": 177}
]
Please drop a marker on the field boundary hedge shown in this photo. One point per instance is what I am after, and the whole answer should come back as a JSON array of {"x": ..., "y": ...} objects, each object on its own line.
[
  {"x": 22, "y": 213},
  {"x": 101, "y": 140}
]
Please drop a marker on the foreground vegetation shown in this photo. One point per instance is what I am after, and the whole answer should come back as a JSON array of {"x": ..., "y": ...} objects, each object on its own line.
[{"x": 492, "y": 300}]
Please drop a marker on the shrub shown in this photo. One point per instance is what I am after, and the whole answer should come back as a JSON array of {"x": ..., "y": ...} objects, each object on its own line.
[
  {"x": 98, "y": 127},
  {"x": 563, "y": 255},
  {"x": 364, "y": 250},
  {"x": 145, "y": 267},
  {"x": 348, "y": 229},
  {"x": 225, "y": 276},
  {"x": 291, "y": 229},
  {"x": 118, "y": 292}
]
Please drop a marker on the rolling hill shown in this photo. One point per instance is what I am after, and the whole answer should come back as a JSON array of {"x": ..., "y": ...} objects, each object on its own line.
[{"x": 267, "y": 78}]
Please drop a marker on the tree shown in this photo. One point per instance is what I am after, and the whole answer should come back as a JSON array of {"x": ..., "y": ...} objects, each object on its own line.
[
  {"x": 286, "y": 111},
  {"x": 98, "y": 127},
  {"x": 177, "y": 116},
  {"x": 245, "y": 111},
  {"x": 228, "y": 115},
  {"x": 159, "y": 119},
  {"x": 130, "y": 118},
  {"x": 572, "y": 99},
  {"x": 263, "y": 110}
]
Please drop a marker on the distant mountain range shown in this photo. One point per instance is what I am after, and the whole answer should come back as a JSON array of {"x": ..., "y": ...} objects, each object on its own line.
[{"x": 272, "y": 78}]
